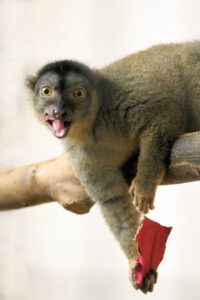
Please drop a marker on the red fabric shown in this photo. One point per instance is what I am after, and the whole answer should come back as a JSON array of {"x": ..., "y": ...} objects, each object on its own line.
[{"x": 151, "y": 239}]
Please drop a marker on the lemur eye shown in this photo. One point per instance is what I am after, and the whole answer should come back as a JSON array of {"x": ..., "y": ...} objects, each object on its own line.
[
  {"x": 45, "y": 91},
  {"x": 80, "y": 93}
]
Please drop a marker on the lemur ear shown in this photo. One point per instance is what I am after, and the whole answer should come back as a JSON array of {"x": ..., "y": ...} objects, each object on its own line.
[{"x": 30, "y": 82}]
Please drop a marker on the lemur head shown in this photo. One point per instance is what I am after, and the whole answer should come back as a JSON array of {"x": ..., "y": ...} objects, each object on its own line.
[{"x": 64, "y": 95}]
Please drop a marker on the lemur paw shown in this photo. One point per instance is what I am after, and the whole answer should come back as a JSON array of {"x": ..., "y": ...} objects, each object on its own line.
[
  {"x": 142, "y": 201},
  {"x": 148, "y": 282}
]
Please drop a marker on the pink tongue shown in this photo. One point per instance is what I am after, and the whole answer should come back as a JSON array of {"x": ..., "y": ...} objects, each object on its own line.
[
  {"x": 59, "y": 128},
  {"x": 58, "y": 125}
]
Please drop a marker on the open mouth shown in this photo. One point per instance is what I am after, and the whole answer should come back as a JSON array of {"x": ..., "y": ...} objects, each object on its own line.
[{"x": 59, "y": 128}]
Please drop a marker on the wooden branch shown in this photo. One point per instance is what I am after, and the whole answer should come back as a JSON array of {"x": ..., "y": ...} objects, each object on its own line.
[
  {"x": 54, "y": 180},
  {"x": 184, "y": 160},
  {"x": 43, "y": 182}
]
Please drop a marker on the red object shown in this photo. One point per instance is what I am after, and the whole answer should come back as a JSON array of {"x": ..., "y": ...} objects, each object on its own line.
[{"x": 151, "y": 239}]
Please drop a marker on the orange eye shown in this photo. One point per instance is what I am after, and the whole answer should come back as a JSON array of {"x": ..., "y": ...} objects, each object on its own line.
[
  {"x": 45, "y": 91},
  {"x": 80, "y": 93}
]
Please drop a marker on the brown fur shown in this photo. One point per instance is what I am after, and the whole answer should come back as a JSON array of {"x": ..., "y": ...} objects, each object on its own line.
[{"x": 136, "y": 106}]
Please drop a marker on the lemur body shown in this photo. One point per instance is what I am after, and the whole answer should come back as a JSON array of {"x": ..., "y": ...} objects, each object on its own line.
[{"x": 138, "y": 105}]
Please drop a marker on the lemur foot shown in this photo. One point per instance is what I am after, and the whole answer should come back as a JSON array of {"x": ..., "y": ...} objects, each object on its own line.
[{"x": 148, "y": 282}]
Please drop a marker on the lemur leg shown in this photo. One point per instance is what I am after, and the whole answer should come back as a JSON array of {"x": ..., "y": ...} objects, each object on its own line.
[
  {"x": 107, "y": 187},
  {"x": 124, "y": 221},
  {"x": 152, "y": 163}
]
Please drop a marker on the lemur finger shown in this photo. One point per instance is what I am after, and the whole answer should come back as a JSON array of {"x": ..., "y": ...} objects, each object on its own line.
[
  {"x": 151, "y": 285},
  {"x": 131, "y": 191},
  {"x": 155, "y": 275},
  {"x": 145, "y": 286},
  {"x": 136, "y": 201},
  {"x": 148, "y": 282},
  {"x": 140, "y": 204},
  {"x": 151, "y": 203},
  {"x": 145, "y": 207}
]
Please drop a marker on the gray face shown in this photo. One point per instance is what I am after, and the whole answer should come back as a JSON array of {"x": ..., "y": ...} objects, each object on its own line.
[{"x": 62, "y": 100}]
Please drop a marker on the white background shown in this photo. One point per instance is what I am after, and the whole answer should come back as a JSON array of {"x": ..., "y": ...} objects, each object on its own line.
[{"x": 46, "y": 252}]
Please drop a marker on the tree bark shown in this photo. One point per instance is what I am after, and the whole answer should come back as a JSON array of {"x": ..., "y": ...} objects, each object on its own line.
[{"x": 54, "y": 180}]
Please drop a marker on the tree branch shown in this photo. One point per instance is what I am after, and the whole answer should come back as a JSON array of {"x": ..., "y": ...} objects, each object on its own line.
[
  {"x": 54, "y": 180},
  {"x": 184, "y": 160},
  {"x": 47, "y": 181}
]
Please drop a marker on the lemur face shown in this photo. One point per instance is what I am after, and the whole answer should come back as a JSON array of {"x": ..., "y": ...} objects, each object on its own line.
[{"x": 63, "y": 93}]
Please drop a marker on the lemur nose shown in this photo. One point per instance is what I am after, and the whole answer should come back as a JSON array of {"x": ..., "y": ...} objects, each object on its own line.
[{"x": 59, "y": 114}]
